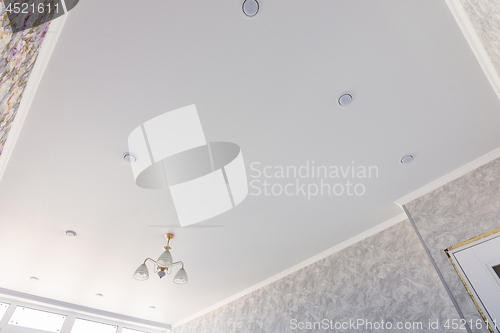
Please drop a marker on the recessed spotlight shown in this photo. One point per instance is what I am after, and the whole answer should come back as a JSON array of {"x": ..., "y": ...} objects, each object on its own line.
[
  {"x": 152, "y": 307},
  {"x": 99, "y": 295},
  {"x": 345, "y": 99},
  {"x": 34, "y": 278},
  {"x": 129, "y": 158},
  {"x": 250, "y": 7},
  {"x": 407, "y": 159},
  {"x": 70, "y": 233}
]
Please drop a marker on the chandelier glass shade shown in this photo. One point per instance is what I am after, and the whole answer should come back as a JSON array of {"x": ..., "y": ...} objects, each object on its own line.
[
  {"x": 141, "y": 273},
  {"x": 162, "y": 266},
  {"x": 181, "y": 277},
  {"x": 165, "y": 260}
]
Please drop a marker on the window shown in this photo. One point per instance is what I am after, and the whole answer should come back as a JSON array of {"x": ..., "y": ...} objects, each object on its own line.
[
  {"x": 3, "y": 308},
  {"x": 86, "y": 326},
  {"x": 37, "y": 319},
  {"x": 129, "y": 330}
]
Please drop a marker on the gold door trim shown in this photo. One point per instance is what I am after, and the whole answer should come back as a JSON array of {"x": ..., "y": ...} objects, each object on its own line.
[{"x": 464, "y": 243}]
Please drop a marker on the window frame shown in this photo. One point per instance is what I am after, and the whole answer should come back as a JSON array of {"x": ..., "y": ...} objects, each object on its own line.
[
  {"x": 24, "y": 328},
  {"x": 71, "y": 316}
]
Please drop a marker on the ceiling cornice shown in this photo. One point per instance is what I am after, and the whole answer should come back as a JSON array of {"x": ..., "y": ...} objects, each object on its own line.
[
  {"x": 358, "y": 238},
  {"x": 455, "y": 174},
  {"x": 475, "y": 43}
]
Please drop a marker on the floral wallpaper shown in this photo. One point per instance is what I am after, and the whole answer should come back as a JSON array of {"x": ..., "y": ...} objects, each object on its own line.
[
  {"x": 485, "y": 17},
  {"x": 462, "y": 209},
  {"x": 18, "y": 54},
  {"x": 386, "y": 277}
]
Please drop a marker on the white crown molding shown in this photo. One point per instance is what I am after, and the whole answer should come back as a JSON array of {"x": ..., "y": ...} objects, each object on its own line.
[
  {"x": 41, "y": 63},
  {"x": 370, "y": 232},
  {"x": 457, "y": 173},
  {"x": 475, "y": 43}
]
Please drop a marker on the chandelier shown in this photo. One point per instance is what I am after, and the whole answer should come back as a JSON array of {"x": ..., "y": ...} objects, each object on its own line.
[{"x": 162, "y": 266}]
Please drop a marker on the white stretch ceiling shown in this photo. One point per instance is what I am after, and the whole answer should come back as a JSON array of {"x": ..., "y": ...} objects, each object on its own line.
[{"x": 268, "y": 84}]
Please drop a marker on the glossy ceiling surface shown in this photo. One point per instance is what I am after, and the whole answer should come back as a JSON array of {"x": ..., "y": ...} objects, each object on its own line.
[{"x": 269, "y": 84}]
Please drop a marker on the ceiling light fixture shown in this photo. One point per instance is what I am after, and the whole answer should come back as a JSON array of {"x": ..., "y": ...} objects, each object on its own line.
[
  {"x": 129, "y": 158},
  {"x": 406, "y": 159},
  {"x": 345, "y": 99},
  {"x": 99, "y": 295},
  {"x": 34, "y": 278},
  {"x": 250, "y": 7},
  {"x": 70, "y": 233},
  {"x": 163, "y": 266}
]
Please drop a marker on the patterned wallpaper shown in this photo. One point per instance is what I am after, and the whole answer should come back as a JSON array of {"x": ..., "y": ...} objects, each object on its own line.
[
  {"x": 485, "y": 17},
  {"x": 19, "y": 52},
  {"x": 460, "y": 210},
  {"x": 385, "y": 277}
]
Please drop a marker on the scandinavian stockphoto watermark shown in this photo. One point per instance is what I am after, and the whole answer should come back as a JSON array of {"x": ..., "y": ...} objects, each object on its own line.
[
  {"x": 387, "y": 325},
  {"x": 310, "y": 179},
  {"x": 357, "y": 324}
]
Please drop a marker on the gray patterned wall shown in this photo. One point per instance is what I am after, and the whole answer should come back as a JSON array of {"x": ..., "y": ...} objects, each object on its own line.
[
  {"x": 460, "y": 210},
  {"x": 485, "y": 17},
  {"x": 387, "y": 277}
]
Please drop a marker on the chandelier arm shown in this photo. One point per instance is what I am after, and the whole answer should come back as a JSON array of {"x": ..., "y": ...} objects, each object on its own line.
[
  {"x": 169, "y": 269},
  {"x": 178, "y": 263},
  {"x": 154, "y": 263}
]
